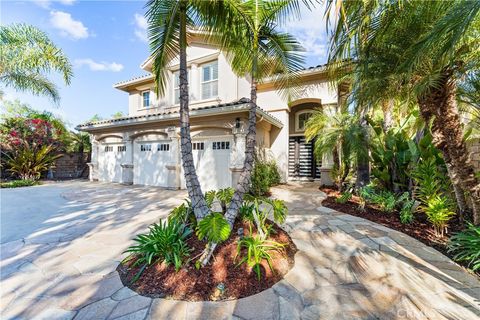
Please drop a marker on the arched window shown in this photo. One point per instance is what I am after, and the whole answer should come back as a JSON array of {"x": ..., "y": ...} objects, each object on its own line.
[{"x": 301, "y": 118}]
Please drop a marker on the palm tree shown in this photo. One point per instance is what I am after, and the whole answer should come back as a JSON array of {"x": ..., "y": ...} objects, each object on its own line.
[
  {"x": 170, "y": 22},
  {"x": 436, "y": 42},
  {"x": 26, "y": 55},
  {"x": 340, "y": 132},
  {"x": 247, "y": 32}
]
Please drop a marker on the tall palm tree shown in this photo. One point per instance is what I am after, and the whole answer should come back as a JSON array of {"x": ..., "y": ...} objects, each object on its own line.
[
  {"x": 169, "y": 25},
  {"x": 27, "y": 54},
  {"x": 437, "y": 43},
  {"x": 248, "y": 32}
]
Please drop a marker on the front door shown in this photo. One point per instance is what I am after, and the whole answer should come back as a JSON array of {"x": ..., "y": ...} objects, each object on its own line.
[{"x": 302, "y": 164}]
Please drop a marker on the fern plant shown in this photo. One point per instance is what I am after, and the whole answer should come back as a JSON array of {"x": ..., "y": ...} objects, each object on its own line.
[
  {"x": 466, "y": 246},
  {"x": 258, "y": 249},
  {"x": 439, "y": 211},
  {"x": 165, "y": 241},
  {"x": 214, "y": 227}
]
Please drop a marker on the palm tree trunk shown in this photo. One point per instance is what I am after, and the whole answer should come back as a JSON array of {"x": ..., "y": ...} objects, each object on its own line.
[
  {"x": 194, "y": 189},
  {"x": 439, "y": 106},
  {"x": 244, "y": 180},
  {"x": 363, "y": 164}
]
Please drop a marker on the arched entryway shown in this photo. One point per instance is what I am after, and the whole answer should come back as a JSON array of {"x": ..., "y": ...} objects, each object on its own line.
[{"x": 302, "y": 164}]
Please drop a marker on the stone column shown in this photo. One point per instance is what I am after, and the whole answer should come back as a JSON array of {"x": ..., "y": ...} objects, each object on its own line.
[
  {"x": 93, "y": 164},
  {"x": 174, "y": 167},
  {"x": 237, "y": 158},
  {"x": 127, "y": 165}
]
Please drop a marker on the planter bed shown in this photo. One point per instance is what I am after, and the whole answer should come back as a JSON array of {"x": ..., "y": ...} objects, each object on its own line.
[
  {"x": 192, "y": 284},
  {"x": 419, "y": 229}
]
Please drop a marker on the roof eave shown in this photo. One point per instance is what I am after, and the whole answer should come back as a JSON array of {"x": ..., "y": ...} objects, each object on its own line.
[{"x": 174, "y": 115}]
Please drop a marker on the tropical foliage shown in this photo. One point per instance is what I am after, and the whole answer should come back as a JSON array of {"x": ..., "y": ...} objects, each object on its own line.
[
  {"x": 28, "y": 55},
  {"x": 466, "y": 246}
]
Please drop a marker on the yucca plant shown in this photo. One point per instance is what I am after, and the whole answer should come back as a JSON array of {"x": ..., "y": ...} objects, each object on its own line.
[
  {"x": 28, "y": 162},
  {"x": 466, "y": 246},
  {"x": 258, "y": 249},
  {"x": 166, "y": 241},
  {"x": 439, "y": 211}
]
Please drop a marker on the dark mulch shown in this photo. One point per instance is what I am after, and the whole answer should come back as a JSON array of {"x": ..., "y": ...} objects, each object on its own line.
[
  {"x": 419, "y": 229},
  {"x": 199, "y": 285}
]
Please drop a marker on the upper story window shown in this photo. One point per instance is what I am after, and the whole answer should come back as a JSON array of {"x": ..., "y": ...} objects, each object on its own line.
[
  {"x": 210, "y": 80},
  {"x": 146, "y": 99},
  {"x": 176, "y": 86},
  {"x": 301, "y": 119}
]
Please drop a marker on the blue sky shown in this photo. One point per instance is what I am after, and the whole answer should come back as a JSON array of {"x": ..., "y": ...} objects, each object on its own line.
[{"x": 106, "y": 42}]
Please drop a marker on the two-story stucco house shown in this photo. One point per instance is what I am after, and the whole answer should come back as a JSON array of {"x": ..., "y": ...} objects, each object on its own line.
[{"x": 143, "y": 148}]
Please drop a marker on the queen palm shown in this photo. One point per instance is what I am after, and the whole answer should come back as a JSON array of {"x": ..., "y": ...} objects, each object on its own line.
[
  {"x": 247, "y": 31},
  {"x": 27, "y": 54},
  {"x": 439, "y": 43},
  {"x": 170, "y": 22}
]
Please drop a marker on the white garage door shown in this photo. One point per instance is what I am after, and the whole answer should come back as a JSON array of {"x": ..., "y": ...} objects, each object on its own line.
[
  {"x": 150, "y": 161},
  {"x": 212, "y": 162},
  {"x": 111, "y": 156}
]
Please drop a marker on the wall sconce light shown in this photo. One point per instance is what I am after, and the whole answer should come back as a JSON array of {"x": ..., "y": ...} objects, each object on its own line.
[{"x": 237, "y": 123}]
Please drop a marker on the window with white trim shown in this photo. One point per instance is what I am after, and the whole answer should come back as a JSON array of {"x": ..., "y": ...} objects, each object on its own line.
[
  {"x": 108, "y": 148},
  {"x": 121, "y": 148},
  {"x": 198, "y": 146},
  {"x": 176, "y": 85},
  {"x": 163, "y": 147},
  {"x": 221, "y": 145},
  {"x": 301, "y": 119},
  {"x": 209, "y": 83},
  {"x": 145, "y": 147},
  {"x": 146, "y": 99}
]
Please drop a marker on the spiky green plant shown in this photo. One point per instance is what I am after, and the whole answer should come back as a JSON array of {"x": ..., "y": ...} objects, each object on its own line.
[{"x": 466, "y": 246}]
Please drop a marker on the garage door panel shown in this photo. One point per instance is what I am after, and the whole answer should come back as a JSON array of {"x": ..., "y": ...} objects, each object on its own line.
[
  {"x": 212, "y": 162},
  {"x": 109, "y": 161},
  {"x": 150, "y": 163}
]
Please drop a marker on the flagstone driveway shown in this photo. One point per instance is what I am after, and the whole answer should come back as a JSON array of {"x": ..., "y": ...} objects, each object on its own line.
[{"x": 61, "y": 243}]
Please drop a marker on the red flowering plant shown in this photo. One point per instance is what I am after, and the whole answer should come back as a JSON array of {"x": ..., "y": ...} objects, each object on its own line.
[{"x": 27, "y": 142}]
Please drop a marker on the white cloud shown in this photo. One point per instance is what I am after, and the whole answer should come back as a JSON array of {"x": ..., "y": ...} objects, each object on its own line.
[
  {"x": 68, "y": 26},
  {"x": 311, "y": 32},
  {"x": 141, "y": 26},
  {"x": 99, "y": 66},
  {"x": 47, "y": 3}
]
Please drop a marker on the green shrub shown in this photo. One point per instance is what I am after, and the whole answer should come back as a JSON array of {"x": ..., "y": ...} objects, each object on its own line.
[
  {"x": 344, "y": 197},
  {"x": 18, "y": 183},
  {"x": 406, "y": 213},
  {"x": 258, "y": 249},
  {"x": 224, "y": 196},
  {"x": 183, "y": 214},
  {"x": 265, "y": 174},
  {"x": 258, "y": 209},
  {"x": 439, "y": 211},
  {"x": 386, "y": 200},
  {"x": 214, "y": 228},
  {"x": 466, "y": 246},
  {"x": 166, "y": 241}
]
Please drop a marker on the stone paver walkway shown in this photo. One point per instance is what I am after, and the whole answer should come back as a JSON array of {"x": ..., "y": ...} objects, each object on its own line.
[{"x": 346, "y": 267}]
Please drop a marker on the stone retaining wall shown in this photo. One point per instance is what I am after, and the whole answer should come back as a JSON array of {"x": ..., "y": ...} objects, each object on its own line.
[{"x": 71, "y": 165}]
